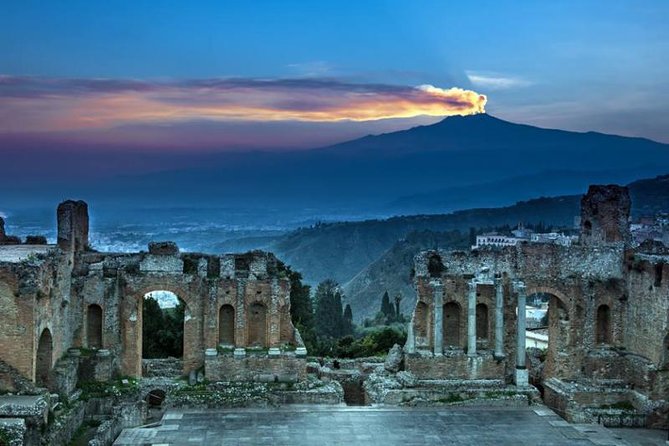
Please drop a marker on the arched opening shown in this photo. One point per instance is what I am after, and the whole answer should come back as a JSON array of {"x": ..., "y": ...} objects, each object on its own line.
[
  {"x": 547, "y": 333},
  {"x": 603, "y": 325},
  {"x": 163, "y": 316},
  {"x": 257, "y": 327},
  {"x": 421, "y": 323},
  {"x": 44, "y": 358},
  {"x": 451, "y": 324},
  {"x": 155, "y": 398},
  {"x": 94, "y": 326},
  {"x": 481, "y": 321},
  {"x": 226, "y": 325}
]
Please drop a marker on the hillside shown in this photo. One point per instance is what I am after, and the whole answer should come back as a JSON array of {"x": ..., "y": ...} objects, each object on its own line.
[
  {"x": 392, "y": 272},
  {"x": 342, "y": 250},
  {"x": 370, "y": 257}
]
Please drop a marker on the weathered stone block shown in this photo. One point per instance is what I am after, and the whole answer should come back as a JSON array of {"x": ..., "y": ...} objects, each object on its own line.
[{"x": 163, "y": 248}]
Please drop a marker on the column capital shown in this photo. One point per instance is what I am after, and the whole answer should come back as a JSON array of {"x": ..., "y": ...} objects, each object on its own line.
[
  {"x": 436, "y": 285},
  {"x": 519, "y": 286},
  {"x": 472, "y": 285}
]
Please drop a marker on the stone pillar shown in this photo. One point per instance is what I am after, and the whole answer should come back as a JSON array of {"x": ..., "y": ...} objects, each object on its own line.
[
  {"x": 499, "y": 318},
  {"x": 438, "y": 332},
  {"x": 72, "y": 217},
  {"x": 521, "y": 371},
  {"x": 471, "y": 319}
]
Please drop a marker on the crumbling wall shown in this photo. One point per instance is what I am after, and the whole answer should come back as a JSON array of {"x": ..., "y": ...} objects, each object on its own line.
[
  {"x": 647, "y": 308},
  {"x": 16, "y": 340},
  {"x": 605, "y": 212},
  {"x": 72, "y": 219},
  {"x": 86, "y": 299},
  {"x": 604, "y": 297}
]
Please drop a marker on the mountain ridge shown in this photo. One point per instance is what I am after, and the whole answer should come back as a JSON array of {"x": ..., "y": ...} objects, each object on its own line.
[{"x": 369, "y": 175}]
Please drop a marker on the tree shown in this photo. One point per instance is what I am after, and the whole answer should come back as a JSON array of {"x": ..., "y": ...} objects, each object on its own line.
[
  {"x": 329, "y": 315},
  {"x": 348, "y": 321},
  {"x": 162, "y": 329},
  {"x": 301, "y": 311},
  {"x": 301, "y": 308},
  {"x": 152, "y": 323}
]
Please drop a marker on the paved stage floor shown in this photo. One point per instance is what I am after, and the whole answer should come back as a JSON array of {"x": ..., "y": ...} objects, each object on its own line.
[{"x": 333, "y": 425}]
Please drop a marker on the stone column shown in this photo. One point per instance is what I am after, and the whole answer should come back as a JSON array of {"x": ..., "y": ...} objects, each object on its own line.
[
  {"x": 438, "y": 332},
  {"x": 471, "y": 319},
  {"x": 521, "y": 371},
  {"x": 499, "y": 318}
]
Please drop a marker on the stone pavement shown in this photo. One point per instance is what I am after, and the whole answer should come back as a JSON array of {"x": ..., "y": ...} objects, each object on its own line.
[{"x": 336, "y": 425}]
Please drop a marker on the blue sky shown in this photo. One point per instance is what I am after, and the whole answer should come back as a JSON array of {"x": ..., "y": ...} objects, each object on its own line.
[{"x": 578, "y": 65}]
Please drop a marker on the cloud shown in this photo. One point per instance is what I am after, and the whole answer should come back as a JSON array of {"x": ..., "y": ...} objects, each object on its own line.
[
  {"x": 496, "y": 81},
  {"x": 311, "y": 69},
  {"x": 30, "y": 104}
]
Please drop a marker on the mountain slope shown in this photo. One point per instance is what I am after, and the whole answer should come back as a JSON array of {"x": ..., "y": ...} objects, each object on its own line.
[
  {"x": 362, "y": 176},
  {"x": 341, "y": 250}
]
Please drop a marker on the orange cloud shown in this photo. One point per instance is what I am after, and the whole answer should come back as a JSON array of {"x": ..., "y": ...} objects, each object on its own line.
[{"x": 36, "y": 104}]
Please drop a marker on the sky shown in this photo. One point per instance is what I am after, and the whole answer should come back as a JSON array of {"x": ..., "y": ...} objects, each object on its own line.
[{"x": 221, "y": 75}]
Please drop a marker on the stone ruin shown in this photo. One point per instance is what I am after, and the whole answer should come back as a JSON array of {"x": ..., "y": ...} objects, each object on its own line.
[
  {"x": 608, "y": 351},
  {"x": 71, "y": 314}
]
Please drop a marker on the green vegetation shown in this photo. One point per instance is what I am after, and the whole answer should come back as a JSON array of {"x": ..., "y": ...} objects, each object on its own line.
[
  {"x": 451, "y": 398},
  {"x": 620, "y": 405},
  {"x": 4, "y": 438},
  {"x": 329, "y": 313},
  {"x": 376, "y": 342},
  {"x": 327, "y": 329},
  {"x": 162, "y": 330},
  {"x": 95, "y": 389},
  {"x": 301, "y": 308}
]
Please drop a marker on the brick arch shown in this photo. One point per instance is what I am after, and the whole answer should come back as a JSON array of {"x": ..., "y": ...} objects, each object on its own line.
[
  {"x": 44, "y": 358},
  {"x": 533, "y": 289},
  {"x": 131, "y": 315}
]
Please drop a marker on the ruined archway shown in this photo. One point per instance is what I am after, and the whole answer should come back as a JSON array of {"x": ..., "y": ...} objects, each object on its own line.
[
  {"x": 555, "y": 334},
  {"x": 451, "y": 324},
  {"x": 226, "y": 325},
  {"x": 257, "y": 325},
  {"x": 94, "y": 326},
  {"x": 44, "y": 358},
  {"x": 132, "y": 316}
]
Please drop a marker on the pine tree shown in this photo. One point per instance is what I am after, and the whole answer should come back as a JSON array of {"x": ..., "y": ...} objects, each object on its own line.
[
  {"x": 329, "y": 314},
  {"x": 348, "y": 320},
  {"x": 385, "y": 304}
]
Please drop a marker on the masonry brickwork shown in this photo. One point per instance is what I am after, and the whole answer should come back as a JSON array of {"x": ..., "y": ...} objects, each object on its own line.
[
  {"x": 608, "y": 313},
  {"x": 70, "y": 297}
]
